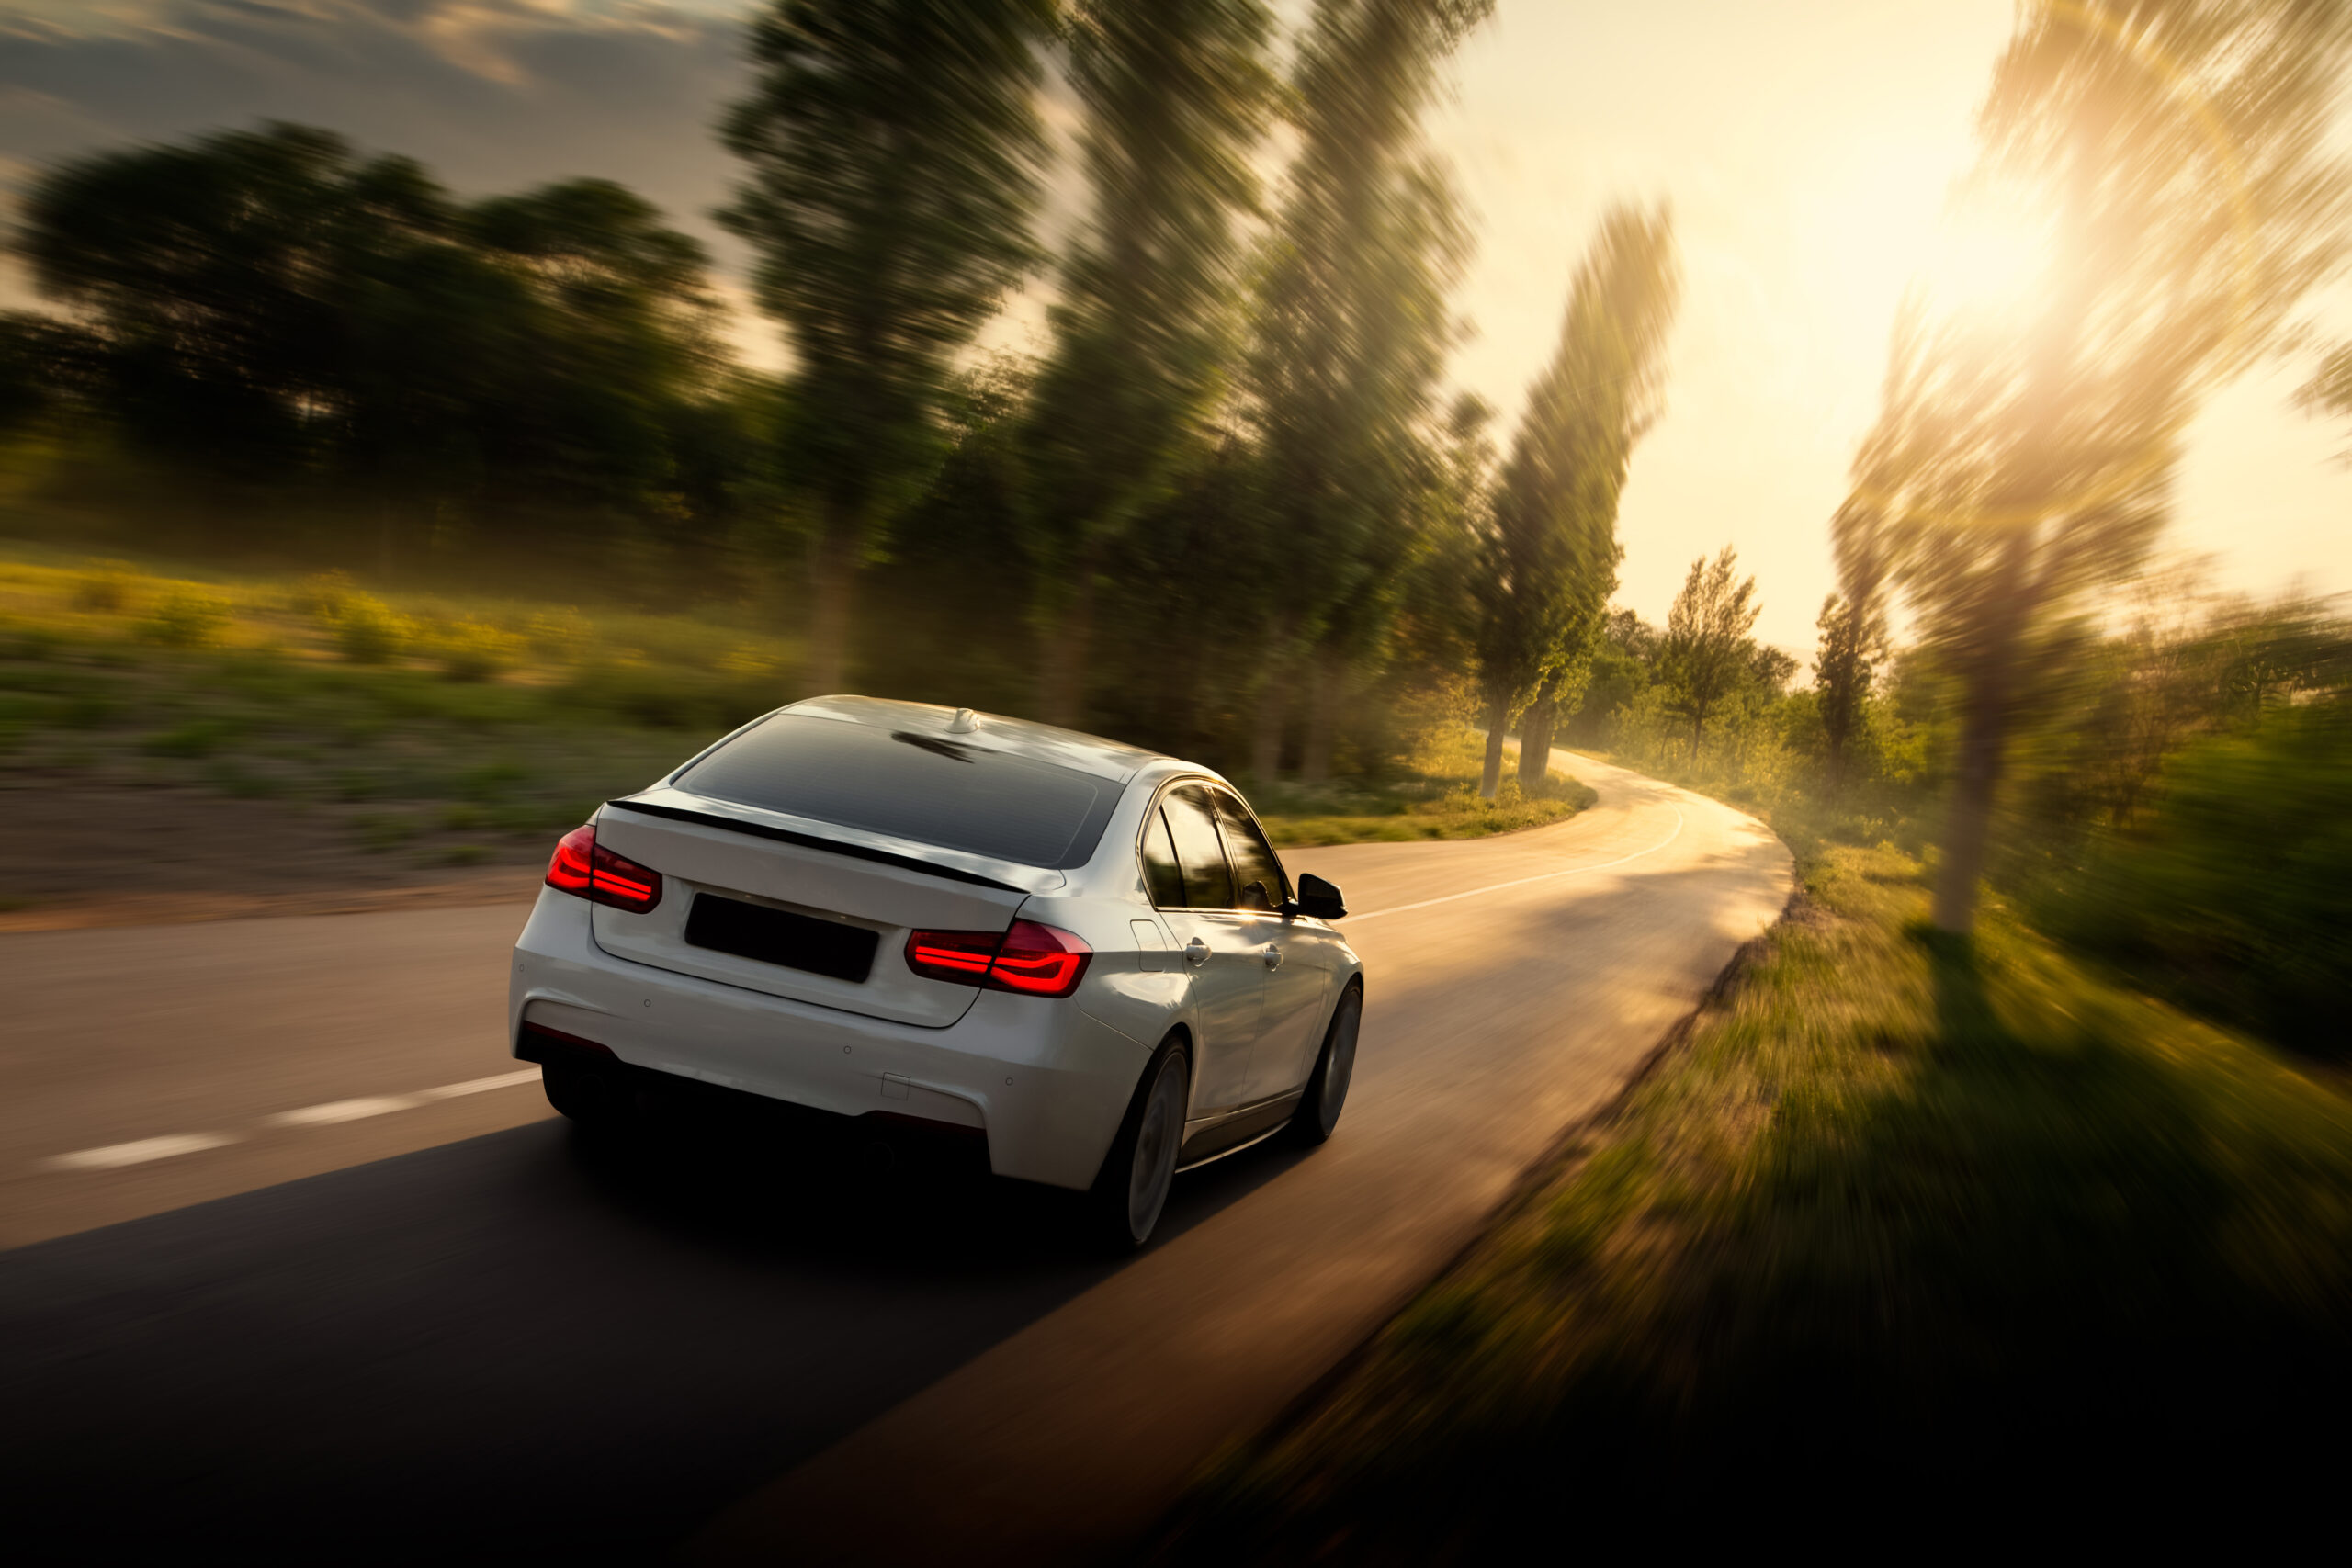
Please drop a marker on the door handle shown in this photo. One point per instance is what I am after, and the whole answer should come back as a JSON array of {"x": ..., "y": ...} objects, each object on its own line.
[
  {"x": 1273, "y": 956},
  {"x": 1196, "y": 952}
]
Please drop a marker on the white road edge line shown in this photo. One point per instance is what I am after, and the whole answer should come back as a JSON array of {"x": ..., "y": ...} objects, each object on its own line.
[
  {"x": 1523, "y": 881},
  {"x": 333, "y": 1111}
]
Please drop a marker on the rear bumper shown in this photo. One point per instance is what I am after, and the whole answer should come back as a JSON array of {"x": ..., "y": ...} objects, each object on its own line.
[{"x": 1044, "y": 1081}]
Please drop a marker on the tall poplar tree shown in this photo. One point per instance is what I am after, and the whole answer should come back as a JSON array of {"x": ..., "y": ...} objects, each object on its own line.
[
  {"x": 1177, "y": 96},
  {"x": 1549, "y": 555},
  {"x": 1350, "y": 331},
  {"x": 894, "y": 150}
]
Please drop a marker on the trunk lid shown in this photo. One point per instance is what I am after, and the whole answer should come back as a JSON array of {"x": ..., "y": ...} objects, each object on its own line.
[{"x": 774, "y": 904}]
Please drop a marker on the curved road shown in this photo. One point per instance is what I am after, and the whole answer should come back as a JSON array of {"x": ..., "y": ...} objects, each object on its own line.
[{"x": 302, "y": 1268}]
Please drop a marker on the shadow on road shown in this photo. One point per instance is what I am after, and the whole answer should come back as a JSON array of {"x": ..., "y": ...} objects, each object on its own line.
[{"x": 521, "y": 1343}]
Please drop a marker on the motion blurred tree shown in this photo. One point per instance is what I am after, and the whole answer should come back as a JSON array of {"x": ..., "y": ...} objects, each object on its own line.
[
  {"x": 1550, "y": 554},
  {"x": 894, "y": 150},
  {"x": 1705, "y": 654},
  {"x": 1853, "y": 643},
  {"x": 267, "y": 307},
  {"x": 1350, "y": 331},
  {"x": 218, "y": 276},
  {"x": 2177, "y": 153},
  {"x": 626, "y": 321},
  {"x": 1176, "y": 93}
]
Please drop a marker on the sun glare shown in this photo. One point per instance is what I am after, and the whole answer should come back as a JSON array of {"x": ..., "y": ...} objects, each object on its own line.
[{"x": 1990, "y": 254}]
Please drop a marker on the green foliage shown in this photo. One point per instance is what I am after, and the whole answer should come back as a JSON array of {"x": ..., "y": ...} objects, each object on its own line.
[
  {"x": 473, "y": 650},
  {"x": 367, "y": 631},
  {"x": 2229, "y": 895},
  {"x": 197, "y": 738},
  {"x": 1176, "y": 94},
  {"x": 1705, "y": 654},
  {"x": 269, "y": 307},
  {"x": 892, "y": 153},
  {"x": 1350, "y": 327},
  {"x": 1549, "y": 560},
  {"x": 105, "y": 587},
  {"x": 187, "y": 618}
]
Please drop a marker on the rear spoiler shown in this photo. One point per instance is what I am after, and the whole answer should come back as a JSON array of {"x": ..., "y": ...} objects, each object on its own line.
[{"x": 811, "y": 841}]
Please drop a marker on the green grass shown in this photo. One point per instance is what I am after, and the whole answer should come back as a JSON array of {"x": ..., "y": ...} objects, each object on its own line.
[
  {"x": 524, "y": 713},
  {"x": 520, "y": 715},
  {"x": 1903, "y": 1223},
  {"x": 1435, "y": 796}
]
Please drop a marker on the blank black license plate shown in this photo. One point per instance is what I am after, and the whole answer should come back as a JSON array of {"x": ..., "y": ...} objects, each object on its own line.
[{"x": 779, "y": 936}]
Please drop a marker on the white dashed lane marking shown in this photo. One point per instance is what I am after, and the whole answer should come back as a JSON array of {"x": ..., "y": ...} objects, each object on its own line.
[
  {"x": 139, "y": 1152},
  {"x": 324, "y": 1115}
]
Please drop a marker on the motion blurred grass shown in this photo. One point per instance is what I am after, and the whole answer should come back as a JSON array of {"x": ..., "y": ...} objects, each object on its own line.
[
  {"x": 310, "y": 688},
  {"x": 1904, "y": 1223},
  {"x": 525, "y": 713},
  {"x": 1435, "y": 796}
]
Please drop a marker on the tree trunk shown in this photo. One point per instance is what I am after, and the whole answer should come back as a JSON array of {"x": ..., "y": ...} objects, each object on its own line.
[
  {"x": 1983, "y": 736},
  {"x": 1536, "y": 744},
  {"x": 832, "y": 579},
  {"x": 1266, "y": 736},
  {"x": 1968, "y": 821},
  {"x": 1061, "y": 680},
  {"x": 1327, "y": 674},
  {"x": 1490, "y": 780}
]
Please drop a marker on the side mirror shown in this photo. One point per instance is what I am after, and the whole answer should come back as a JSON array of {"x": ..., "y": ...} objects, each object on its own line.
[{"x": 1318, "y": 899}]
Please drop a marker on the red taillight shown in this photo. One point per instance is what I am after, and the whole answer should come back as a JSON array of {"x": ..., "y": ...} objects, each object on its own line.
[
  {"x": 1030, "y": 959},
  {"x": 583, "y": 867}
]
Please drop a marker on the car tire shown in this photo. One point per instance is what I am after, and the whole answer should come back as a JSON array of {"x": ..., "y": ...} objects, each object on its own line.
[
  {"x": 1132, "y": 1186},
  {"x": 587, "y": 1094},
  {"x": 1334, "y": 1068}
]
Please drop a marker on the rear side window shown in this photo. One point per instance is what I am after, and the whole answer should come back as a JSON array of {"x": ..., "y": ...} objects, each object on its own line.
[
  {"x": 1159, "y": 872},
  {"x": 926, "y": 789},
  {"x": 1253, "y": 858},
  {"x": 1207, "y": 883}
]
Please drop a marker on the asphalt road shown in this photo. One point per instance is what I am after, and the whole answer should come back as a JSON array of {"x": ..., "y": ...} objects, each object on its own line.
[{"x": 303, "y": 1269}]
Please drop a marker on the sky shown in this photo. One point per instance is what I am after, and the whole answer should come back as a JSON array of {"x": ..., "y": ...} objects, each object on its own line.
[{"x": 1805, "y": 146}]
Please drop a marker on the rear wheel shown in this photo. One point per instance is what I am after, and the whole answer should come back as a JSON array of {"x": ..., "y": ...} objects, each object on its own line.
[
  {"x": 1141, "y": 1167},
  {"x": 1327, "y": 1091}
]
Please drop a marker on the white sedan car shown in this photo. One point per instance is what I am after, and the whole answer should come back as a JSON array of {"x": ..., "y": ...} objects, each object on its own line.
[{"x": 1086, "y": 953}]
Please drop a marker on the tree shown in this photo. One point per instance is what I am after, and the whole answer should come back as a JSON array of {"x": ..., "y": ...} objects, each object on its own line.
[
  {"x": 219, "y": 276},
  {"x": 1853, "y": 641},
  {"x": 1350, "y": 332},
  {"x": 2176, "y": 155},
  {"x": 270, "y": 306},
  {"x": 1176, "y": 94},
  {"x": 1551, "y": 551},
  {"x": 1705, "y": 654},
  {"x": 894, "y": 149}
]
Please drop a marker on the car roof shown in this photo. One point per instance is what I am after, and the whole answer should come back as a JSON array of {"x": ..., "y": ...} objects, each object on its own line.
[{"x": 993, "y": 732}]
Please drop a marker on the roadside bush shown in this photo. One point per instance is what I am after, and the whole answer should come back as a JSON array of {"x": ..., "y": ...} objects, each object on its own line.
[
  {"x": 187, "y": 618},
  {"x": 106, "y": 586},
  {"x": 197, "y": 738},
  {"x": 367, "y": 631},
  {"x": 2229, "y": 897},
  {"x": 670, "y": 698},
  {"x": 322, "y": 595},
  {"x": 474, "y": 650}
]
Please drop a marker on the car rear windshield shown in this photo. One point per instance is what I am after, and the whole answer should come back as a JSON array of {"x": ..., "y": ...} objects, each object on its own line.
[{"x": 928, "y": 789}]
